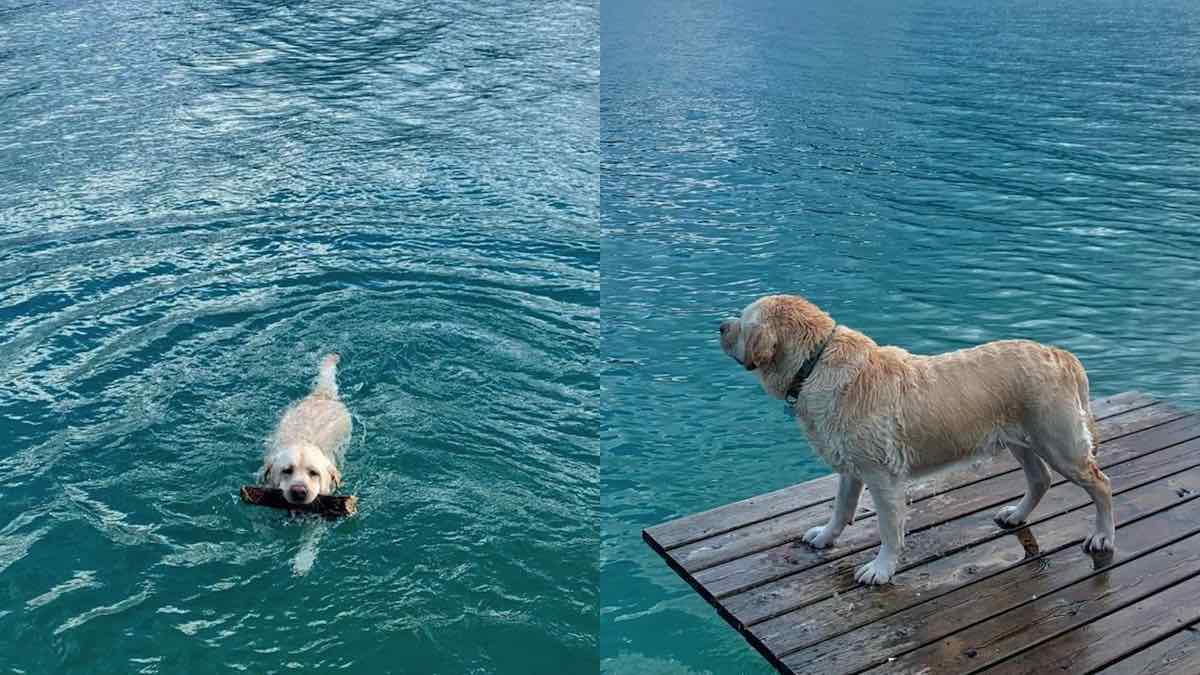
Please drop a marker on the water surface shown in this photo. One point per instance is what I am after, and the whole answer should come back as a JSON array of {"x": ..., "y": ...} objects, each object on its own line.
[
  {"x": 935, "y": 174},
  {"x": 197, "y": 200}
]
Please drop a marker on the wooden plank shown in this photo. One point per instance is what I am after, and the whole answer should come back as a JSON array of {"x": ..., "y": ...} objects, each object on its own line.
[
  {"x": 693, "y": 528},
  {"x": 1011, "y": 632},
  {"x": 787, "y": 528},
  {"x": 1116, "y": 404},
  {"x": 1178, "y": 654},
  {"x": 725, "y": 518},
  {"x": 798, "y": 633},
  {"x": 763, "y": 571},
  {"x": 934, "y": 609},
  {"x": 1106, "y": 640}
]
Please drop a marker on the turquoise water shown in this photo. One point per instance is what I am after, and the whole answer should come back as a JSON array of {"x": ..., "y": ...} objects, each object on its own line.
[
  {"x": 933, "y": 173},
  {"x": 199, "y": 199}
]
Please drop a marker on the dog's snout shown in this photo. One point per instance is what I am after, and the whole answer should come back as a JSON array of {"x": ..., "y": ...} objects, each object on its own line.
[
  {"x": 298, "y": 491},
  {"x": 724, "y": 326}
]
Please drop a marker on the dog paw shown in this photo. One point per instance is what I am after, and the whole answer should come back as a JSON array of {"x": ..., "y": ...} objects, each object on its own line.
[
  {"x": 876, "y": 573},
  {"x": 1099, "y": 543},
  {"x": 1008, "y": 517},
  {"x": 819, "y": 537}
]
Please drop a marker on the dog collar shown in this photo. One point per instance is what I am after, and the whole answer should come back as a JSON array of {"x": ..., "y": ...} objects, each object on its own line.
[{"x": 806, "y": 368}]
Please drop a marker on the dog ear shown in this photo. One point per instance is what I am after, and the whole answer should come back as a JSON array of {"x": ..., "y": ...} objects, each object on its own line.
[
  {"x": 335, "y": 478},
  {"x": 266, "y": 473},
  {"x": 760, "y": 346}
]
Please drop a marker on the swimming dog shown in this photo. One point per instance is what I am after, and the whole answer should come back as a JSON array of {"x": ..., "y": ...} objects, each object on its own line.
[{"x": 304, "y": 452}]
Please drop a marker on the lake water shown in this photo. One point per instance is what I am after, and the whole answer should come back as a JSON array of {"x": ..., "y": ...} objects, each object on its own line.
[
  {"x": 933, "y": 173},
  {"x": 197, "y": 200}
]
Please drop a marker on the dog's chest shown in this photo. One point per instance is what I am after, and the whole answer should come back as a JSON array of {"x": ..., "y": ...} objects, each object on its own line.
[{"x": 828, "y": 444}]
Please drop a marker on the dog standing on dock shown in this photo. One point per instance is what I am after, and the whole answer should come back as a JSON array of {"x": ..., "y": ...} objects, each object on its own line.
[
  {"x": 305, "y": 450},
  {"x": 881, "y": 416}
]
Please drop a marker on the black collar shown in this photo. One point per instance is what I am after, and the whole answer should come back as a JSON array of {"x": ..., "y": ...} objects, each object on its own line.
[{"x": 793, "y": 392}]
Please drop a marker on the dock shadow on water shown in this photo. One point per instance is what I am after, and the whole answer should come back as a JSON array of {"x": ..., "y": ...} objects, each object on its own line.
[{"x": 197, "y": 202}]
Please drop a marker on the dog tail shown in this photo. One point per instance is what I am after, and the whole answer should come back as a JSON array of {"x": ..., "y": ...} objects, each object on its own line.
[
  {"x": 1085, "y": 399},
  {"x": 327, "y": 377}
]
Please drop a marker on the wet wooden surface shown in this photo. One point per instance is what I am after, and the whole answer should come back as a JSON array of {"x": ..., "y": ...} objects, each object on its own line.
[{"x": 970, "y": 597}]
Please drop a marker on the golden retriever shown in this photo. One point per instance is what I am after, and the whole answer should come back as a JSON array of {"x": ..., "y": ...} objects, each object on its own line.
[
  {"x": 303, "y": 454},
  {"x": 880, "y": 415}
]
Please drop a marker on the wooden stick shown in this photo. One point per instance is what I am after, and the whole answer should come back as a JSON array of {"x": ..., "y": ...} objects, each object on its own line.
[{"x": 329, "y": 506}]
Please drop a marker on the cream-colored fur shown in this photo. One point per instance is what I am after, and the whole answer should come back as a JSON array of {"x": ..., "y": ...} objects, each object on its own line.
[
  {"x": 304, "y": 452},
  {"x": 881, "y": 416}
]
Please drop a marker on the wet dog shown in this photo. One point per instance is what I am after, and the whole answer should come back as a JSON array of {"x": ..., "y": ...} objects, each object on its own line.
[
  {"x": 304, "y": 452},
  {"x": 881, "y": 416}
]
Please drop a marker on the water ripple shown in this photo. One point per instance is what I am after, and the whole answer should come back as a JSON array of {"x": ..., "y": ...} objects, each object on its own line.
[{"x": 200, "y": 200}]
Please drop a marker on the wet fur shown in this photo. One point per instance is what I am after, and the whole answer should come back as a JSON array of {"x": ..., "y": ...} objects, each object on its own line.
[
  {"x": 881, "y": 416},
  {"x": 307, "y": 445}
]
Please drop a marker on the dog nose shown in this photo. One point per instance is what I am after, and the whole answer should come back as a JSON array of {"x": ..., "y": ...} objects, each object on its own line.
[
  {"x": 724, "y": 326},
  {"x": 298, "y": 491}
]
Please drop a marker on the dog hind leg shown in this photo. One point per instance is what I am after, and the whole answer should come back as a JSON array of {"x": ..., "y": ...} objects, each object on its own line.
[
  {"x": 1037, "y": 477},
  {"x": 1066, "y": 444},
  {"x": 1088, "y": 476}
]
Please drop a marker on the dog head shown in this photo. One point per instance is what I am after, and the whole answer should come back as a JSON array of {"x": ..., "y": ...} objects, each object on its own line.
[
  {"x": 773, "y": 337},
  {"x": 302, "y": 471}
]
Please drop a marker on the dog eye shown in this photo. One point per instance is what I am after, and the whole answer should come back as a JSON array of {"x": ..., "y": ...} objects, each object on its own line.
[
  {"x": 287, "y": 471},
  {"x": 312, "y": 473}
]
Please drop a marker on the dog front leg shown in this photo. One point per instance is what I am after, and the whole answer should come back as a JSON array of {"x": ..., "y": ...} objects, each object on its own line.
[
  {"x": 888, "y": 496},
  {"x": 844, "y": 506}
]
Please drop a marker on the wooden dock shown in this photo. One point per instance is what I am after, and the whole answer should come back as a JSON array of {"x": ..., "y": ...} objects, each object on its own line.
[{"x": 969, "y": 596}]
